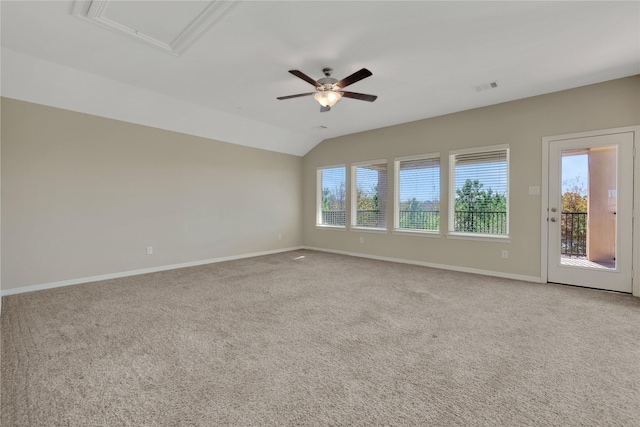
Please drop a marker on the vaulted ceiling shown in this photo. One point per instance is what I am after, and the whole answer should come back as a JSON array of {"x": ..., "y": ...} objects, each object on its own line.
[{"x": 214, "y": 69}]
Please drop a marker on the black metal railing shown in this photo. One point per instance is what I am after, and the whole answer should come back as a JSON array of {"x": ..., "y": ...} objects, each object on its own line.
[
  {"x": 480, "y": 222},
  {"x": 419, "y": 220},
  {"x": 334, "y": 217},
  {"x": 369, "y": 218},
  {"x": 364, "y": 218},
  {"x": 464, "y": 221},
  {"x": 574, "y": 234}
]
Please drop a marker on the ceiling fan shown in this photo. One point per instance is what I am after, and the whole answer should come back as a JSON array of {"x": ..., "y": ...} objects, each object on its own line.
[{"x": 329, "y": 90}]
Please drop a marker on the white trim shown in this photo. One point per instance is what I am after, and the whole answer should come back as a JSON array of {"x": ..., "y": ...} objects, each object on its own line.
[
  {"x": 601, "y": 132},
  {"x": 369, "y": 230},
  {"x": 93, "y": 11},
  {"x": 215, "y": 11},
  {"x": 371, "y": 162},
  {"x": 635, "y": 280},
  {"x": 497, "y": 238},
  {"x": 544, "y": 212},
  {"x": 432, "y": 265},
  {"x": 417, "y": 233},
  {"x": 544, "y": 202},
  {"x": 331, "y": 227},
  {"x": 396, "y": 186},
  {"x": 354, "y": 190},
  {"x": 482, "y": 149},
  {"x": 426, "y": 156},
  {"x": 452, "y": 183},
  {"x": 339, "y": 165},
  {"x": 319, "y": 195},
  {"x": 23, "y": 289}
]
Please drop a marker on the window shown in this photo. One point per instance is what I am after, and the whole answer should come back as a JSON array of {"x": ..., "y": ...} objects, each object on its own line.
[
  {"x": 417, "y": 204},
  {"x": 479, "y": 191},
  {"x": 369, "y": 197},
  {"x": 331, "y": 196}
]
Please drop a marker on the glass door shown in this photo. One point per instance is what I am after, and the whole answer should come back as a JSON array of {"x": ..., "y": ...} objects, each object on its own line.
[{"x": 590, "y": 211}]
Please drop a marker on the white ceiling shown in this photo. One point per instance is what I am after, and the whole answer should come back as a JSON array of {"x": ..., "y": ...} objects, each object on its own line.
[{"x": 426, "y": 58}]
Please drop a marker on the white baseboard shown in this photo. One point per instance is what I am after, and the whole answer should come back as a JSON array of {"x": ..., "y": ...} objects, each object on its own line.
[
  {"x": 39, "y": 287},
  {"x": 51, "y": 285},
  {"x": 434, "y": 265}
]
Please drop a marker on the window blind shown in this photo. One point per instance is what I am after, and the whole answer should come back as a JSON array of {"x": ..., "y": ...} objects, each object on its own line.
[
  {"x": 479, "y": 192},
  {"x": 370, "y": 198},
  {"x": 418, "y": 194},
  {"x": 332, "y": 197}
]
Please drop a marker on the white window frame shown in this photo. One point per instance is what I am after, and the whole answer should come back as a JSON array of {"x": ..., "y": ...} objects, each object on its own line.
[
  {"x": 396, "y": 202},
  {"x": 354, "y": 197},
  {"x": 319, "y": 223},
  {"x": 451, "y": 234}
]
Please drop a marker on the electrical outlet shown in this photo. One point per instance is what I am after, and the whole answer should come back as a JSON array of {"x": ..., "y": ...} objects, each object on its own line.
[
  {"x": 149, "y": 250},
  {"x": 362, "y": 240},
  {"x": 279, "y": 236},
  {"x": 505, "y": 254}
]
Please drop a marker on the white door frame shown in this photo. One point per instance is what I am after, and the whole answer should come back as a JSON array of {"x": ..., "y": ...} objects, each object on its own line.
[{"x": 544, "y": 202}]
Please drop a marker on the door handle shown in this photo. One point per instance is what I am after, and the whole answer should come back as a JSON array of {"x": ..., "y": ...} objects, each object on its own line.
[
  {"x": 553, "y": 219},
  {"x": 553, "y": 209}
]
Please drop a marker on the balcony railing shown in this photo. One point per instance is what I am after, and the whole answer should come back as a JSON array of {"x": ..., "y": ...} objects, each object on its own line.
[
  {"x": 369, "y": 218},
  {"x": 574, "y": 234},
  {"x": 364, "y": 218},
  {"x": 574, "y": 224},
  {"x": 333, "y": 218},
  {"x": 480, "y": 222},
  {"x": 464, "y": 221},
  {"x": 419, "y": 220}
]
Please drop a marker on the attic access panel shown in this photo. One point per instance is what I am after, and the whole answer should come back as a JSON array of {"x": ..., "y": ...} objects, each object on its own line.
[{"x": 169, "y": 25}]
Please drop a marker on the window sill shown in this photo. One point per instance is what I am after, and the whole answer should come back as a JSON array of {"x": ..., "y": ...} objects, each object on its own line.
[
  {"x": 480, "y": 237},
  {"x": 369, "y": 230},
  {"x": 331, "y": 227},
  {"x": 417, "y": 233}
]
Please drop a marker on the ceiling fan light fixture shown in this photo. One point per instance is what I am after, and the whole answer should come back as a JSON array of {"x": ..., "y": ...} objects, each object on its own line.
[
  {"x": 329, "y": 90},
  {"x": 327, "y": 98}
]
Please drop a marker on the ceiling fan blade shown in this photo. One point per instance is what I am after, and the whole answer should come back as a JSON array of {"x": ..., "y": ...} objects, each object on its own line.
[
  {"x": 355, "y": 77},
  {"x": 360, "y": 96},
  {"x": 324, "y": 109},
  {"x": 304, "y": 77},
  {"x": 296, "y": 96}
]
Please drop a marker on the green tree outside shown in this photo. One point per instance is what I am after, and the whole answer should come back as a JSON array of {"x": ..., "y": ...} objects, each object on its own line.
[
  {"x": 333, "y": 205},
  {"x": 574, "y": 227},
  {"x": 368, "y": 207},
  {"x": 334, "y": 199},
  {"x": 419, "y": 215},
  {"x": 478, "y": 210},
  {"x": 574, "y": 199}
]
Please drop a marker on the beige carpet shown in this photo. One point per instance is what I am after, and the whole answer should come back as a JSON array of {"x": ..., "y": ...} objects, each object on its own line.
[{"x": 323, "y": 340}]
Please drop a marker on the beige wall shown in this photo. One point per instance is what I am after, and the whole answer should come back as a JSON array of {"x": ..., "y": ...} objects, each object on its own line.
[
  {"x": 521, "y": 124},
  {"x": 601, "y": 234},
  {"x": 84, "y": 196}
]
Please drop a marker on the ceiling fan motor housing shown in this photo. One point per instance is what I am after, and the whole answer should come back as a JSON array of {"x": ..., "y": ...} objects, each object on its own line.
[{"x": 327, "y": 82}]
